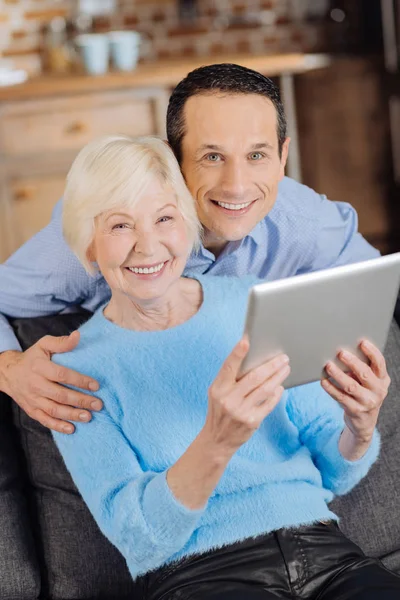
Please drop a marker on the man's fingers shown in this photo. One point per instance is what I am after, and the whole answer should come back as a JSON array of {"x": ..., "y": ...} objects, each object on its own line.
[
  {"x": 51, "y": 423},
  {"x": 65, "y": 396},
  {"x": 53, "y": 372},
  {"x": 60, "y": 344},
  {"x": 61, "y": 412}
]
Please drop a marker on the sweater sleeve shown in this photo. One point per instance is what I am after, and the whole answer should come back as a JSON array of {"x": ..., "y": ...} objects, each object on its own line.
[
  {"x": 135, "y": 510},
  {"x": 319, "y": 421}
]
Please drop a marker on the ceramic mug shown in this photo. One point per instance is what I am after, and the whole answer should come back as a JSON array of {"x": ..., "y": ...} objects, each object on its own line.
[
  {"x": 94, "y": 50},
  {"x": 125, "y": 49}
]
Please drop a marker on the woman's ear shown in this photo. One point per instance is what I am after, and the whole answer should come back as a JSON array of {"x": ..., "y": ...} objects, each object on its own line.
[{"x": 90, "y": 254}]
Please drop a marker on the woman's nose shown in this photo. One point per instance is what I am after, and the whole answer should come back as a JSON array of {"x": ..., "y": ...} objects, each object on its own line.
[{"x": 145, "y": 243}]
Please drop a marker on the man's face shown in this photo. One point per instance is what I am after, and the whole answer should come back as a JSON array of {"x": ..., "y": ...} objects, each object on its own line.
[{"x": 231, "y": 162}]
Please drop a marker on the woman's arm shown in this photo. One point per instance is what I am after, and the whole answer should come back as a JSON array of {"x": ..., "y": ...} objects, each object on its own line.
[
  {"x": 320, "y": 422},
  {"x": 135, "y": 510}
]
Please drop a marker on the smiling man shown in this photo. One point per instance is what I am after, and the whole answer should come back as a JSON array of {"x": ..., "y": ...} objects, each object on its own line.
[
  {"x": 227, "y": 128},
  {"x": 233, "y": 172}
]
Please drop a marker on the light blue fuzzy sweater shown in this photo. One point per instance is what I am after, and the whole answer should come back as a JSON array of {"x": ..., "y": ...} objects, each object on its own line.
[{"x": 154, "y": 388}]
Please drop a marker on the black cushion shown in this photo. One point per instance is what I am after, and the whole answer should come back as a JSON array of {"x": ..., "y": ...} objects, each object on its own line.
[
  {"x": 77, "y": 561},
  {"x": 19, "y": 569}
]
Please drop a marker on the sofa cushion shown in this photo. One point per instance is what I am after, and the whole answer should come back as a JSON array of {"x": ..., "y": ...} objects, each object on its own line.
[
  {"x": 77, "y": 561},
  {"x": 370, "y": 513},
  {"x": 19, "y": 569}
]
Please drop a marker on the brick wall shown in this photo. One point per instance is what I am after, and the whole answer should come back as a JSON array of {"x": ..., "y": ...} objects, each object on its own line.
[{"x": 253, "y": 26}]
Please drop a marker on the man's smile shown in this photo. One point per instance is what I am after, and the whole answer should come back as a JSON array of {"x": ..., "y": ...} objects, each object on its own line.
[{"x": 234, "y": 209}]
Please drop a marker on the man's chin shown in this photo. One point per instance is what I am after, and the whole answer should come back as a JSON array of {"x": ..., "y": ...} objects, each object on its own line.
[{"x": 222, "y": 235}]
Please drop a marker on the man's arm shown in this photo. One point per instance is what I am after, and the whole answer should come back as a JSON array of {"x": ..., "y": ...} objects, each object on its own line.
[{"x": 43, "y": 277}]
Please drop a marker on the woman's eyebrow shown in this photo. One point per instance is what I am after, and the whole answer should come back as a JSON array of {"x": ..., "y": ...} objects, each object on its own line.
[{"x": 166, "y": 206}]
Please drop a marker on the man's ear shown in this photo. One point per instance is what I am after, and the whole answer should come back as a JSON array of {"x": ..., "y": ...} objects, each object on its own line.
[{"x": 284, "y": 157}]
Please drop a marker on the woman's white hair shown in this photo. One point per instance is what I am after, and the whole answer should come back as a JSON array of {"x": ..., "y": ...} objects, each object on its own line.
[{"x": 111, "y": 172}]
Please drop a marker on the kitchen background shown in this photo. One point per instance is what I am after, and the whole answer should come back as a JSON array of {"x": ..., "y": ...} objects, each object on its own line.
[{"x": 336, "y": 62}]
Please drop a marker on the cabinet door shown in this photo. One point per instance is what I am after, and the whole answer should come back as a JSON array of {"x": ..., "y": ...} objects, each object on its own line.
[{"x": 29, "y": 206}]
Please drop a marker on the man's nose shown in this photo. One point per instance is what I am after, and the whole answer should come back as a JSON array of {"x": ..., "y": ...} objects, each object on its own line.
[{"x": 235, "y": 180}]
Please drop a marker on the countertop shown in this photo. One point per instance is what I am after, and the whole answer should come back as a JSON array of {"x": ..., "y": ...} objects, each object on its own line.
[{"x": 165, "y": 73}]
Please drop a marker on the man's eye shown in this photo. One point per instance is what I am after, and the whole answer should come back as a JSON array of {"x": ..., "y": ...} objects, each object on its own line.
[
  {"x": 256, "y": 156},
  {"x": 213, "y": 157}
]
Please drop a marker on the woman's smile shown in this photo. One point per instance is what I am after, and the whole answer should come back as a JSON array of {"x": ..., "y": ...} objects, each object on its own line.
[{"x": 148, "y": 271}]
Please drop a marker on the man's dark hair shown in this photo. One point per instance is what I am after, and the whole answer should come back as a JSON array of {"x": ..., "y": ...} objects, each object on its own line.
[{"x": 227, "y": 79}]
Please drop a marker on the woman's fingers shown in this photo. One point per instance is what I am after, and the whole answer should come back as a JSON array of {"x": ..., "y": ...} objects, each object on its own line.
[
  {"x": 229, "y": 371},
  {"x": 262, "y": 374},
  {"x": 265, "y": 408},
  {"x": 268, "y": 387}
]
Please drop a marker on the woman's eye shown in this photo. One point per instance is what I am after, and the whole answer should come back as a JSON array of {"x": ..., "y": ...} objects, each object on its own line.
[
  {"x": 120, "y": 226},
  {"x": 256, "y": 156},
  {"x": 164, "y": 219},
  {"x": 213, "y": 157}
]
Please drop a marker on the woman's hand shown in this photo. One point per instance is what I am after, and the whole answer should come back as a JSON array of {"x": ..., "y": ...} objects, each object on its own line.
[
  {"x": 362, "y": 391},
  {"x": 237, "y": 407}
]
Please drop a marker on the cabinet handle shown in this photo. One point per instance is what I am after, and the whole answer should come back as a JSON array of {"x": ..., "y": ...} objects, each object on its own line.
[
  {"x": 75, "y": 128},
  {"x": 24, "y": 193}
]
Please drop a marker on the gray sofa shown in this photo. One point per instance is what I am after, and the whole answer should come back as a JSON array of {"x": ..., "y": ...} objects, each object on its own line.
[{"x": 50, "y": 546}]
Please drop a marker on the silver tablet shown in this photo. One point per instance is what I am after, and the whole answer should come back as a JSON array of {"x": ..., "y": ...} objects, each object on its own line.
[{"x": 310, "y": 317}]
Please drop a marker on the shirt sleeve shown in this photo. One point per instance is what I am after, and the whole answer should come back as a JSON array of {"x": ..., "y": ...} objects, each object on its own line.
[
  {"x": 338, "y": 241},
  {"x": 319, "y": 421},
  {"x": 42, "y": 277},
  {"x": 135, "y": 510}
]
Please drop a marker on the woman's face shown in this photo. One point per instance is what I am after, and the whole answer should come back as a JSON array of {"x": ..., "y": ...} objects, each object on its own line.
[{"x": 141, "y": 251}]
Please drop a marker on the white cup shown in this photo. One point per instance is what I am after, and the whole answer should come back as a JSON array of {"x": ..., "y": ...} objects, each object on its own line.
[
  {"x": 94, "y": 50},
  {"x": 125, "y": 49}
]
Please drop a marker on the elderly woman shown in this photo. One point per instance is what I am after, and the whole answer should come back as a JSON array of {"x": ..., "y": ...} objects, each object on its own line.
[{"x": 211, "y": 486}]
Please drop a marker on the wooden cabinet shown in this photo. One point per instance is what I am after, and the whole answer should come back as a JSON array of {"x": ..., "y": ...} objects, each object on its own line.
[
  {"x": 344, "y": 141},
  {"x": 40, "y": 138}
]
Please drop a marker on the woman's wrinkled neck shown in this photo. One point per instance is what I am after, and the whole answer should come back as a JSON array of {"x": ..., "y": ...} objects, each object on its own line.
[{"x": 178, "y": 305}]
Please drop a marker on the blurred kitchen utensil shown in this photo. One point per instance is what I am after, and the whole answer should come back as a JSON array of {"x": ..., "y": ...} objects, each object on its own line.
[
  {"x": 125, "y": 49},
  {"x": 94, "y": 51}
]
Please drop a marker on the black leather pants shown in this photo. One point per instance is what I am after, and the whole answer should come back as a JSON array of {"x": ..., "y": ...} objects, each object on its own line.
[{"x": 316, "y": 562}]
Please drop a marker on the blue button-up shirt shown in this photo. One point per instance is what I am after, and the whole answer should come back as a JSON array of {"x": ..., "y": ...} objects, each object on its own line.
[{"x": 303, "y": 232}]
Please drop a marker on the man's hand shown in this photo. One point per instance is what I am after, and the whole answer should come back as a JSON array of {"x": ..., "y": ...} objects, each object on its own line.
[
  {"x": 34, "y": 382},
  {"x": 361, "y": 392}
]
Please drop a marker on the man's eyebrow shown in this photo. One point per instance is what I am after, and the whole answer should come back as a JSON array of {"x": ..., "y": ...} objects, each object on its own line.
[
  {"x": 209, "y": 147},
  {"x": 216, "y": 148},
  {"x": 262, "y": 146}
]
